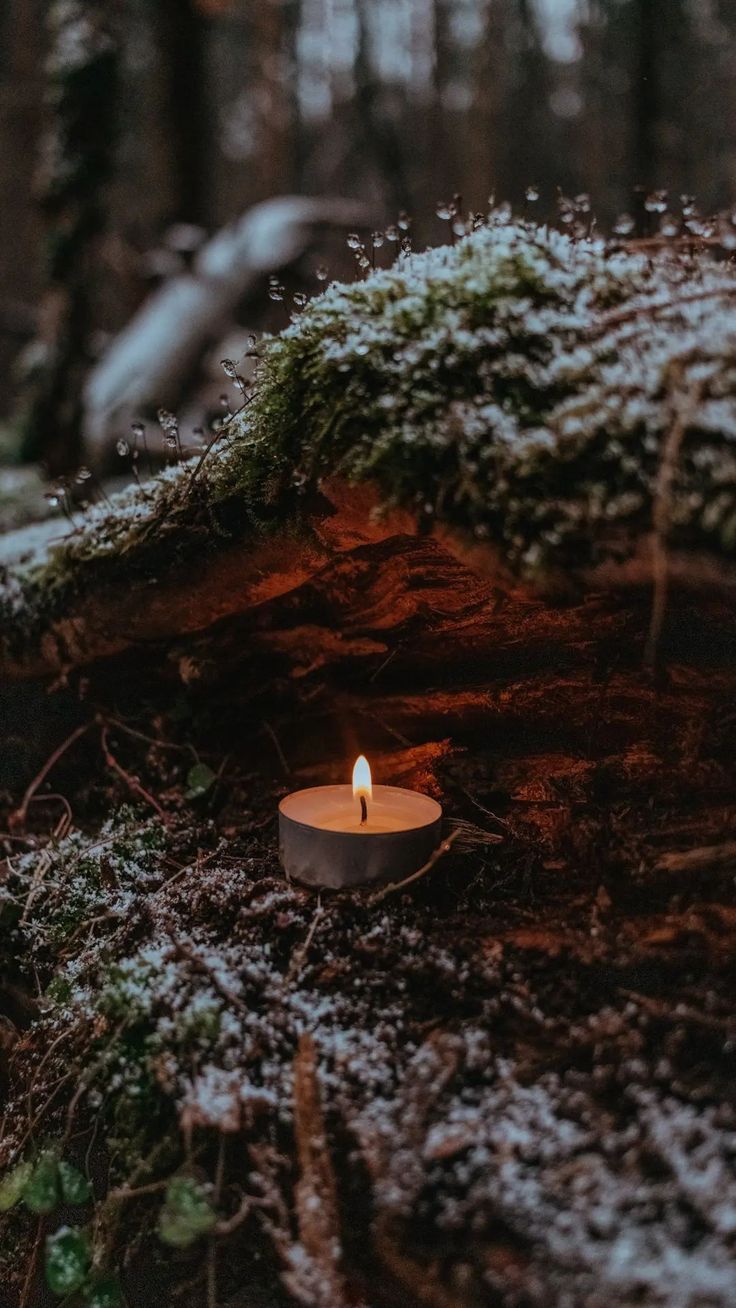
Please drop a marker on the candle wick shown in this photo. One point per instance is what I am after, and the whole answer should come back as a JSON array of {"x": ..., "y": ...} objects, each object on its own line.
[{"x": 363, "y": 810}]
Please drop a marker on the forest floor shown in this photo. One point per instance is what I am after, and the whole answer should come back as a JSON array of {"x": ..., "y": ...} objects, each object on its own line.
[{"x": 511, "y": 1083}]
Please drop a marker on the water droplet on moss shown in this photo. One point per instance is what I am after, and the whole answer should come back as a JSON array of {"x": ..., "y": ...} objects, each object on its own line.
[{"x": 624, "y": 225}]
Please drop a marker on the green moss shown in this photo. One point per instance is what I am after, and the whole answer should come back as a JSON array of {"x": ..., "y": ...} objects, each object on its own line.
[
  {"x": 83, "y": 880},
  {"x": 482, "y": 385}
]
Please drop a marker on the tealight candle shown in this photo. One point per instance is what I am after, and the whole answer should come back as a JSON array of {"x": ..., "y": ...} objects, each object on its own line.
[{"x": 340, "y": 836}]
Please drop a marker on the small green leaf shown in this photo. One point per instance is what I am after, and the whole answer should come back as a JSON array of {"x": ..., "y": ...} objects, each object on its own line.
[
  {"x": 186, "y": 1214},
  {"x": 104, "y": 1294},
  {"x": 199, "y": 780},
  {"x": 75, "y": 1187},
  {"x": 41, "y": 1192},
  {"x": 13, "y": 1184},
  {"x": 67, "y": 1260}
]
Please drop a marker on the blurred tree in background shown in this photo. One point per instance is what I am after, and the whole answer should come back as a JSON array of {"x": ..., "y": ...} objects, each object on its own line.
[{"x": 197, "y": 109}]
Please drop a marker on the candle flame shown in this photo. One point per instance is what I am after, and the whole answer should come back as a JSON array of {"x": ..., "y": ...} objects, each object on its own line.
[{"x": 362, "y": 784}]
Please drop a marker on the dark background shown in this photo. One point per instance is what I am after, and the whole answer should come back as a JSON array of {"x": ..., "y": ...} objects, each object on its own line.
[{"x": 190, "y": 111}]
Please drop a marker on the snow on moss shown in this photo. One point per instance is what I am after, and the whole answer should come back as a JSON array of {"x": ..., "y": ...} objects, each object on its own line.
[
  {"x": 493, "y": 385},
  {"x": 517, "y": 386}
]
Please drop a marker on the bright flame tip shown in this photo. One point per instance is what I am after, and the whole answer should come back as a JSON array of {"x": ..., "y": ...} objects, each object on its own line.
[{"x": 362, "y": 783}]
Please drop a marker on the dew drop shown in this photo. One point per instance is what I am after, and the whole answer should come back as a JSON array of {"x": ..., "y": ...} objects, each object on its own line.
[
  {"x": 656, "y": 202},
  {"x": 532, "y": 193},
  {"x": 392, "y": 233},
  {"x": 377, "y": 239},
  {"x": 167, "y": 420},
  {"x": 137, "y": 429},
  {"x": 404, "y": 221},
  {"x": 228, "y": 367},
  {"x": 443, "y": 210},
  {"x": 251, "y": 341},
  {"x": 624, "y": 225},
  {"x": 122, "y": 448},
  {"x": 83, "y": 474},
  {"x": 353, "y": 241},
  {"x": 322, "y": 272},
  {"x": 300, "y": 299}
]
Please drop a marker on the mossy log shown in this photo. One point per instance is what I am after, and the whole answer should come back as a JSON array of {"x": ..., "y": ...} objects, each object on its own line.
[
  {"x": 557, "y": 410},
  {"x": 511, "y": 1082}
]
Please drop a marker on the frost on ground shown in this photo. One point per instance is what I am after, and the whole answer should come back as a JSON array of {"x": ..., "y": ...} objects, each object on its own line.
[{"x": 521, "y": 1129}]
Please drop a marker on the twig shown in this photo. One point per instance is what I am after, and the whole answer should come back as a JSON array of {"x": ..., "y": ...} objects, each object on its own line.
[
  {"x": 151, "y": 740},
  {"x": 230, "y": 1224},
  {"x": 185, "y": 951},
  {"x": 442, "y": 849},
  {"x": 662, "y": 509},
  {"x": 300, "y": 954},
  {"x": 44, "y": 863},
  {"x": 19, "y": 816},
  {"x": 62, "y": 799},
  {"x": 125, "y": 1192},
  {"x": 130, "y": 781},
  {"x": 277, "y": 746},
  {"x": 32, "y": 1262}
]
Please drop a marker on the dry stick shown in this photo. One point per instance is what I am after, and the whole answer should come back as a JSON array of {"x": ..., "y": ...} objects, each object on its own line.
[
  {"x": 151, "y": 740},
  {"x": 62, "y": 799},
  {"x": 42, "y": 867},
  {"x": 185, "y": 951},
  {"x": 211, "y": 1247},
  {"x": 300, "y": 954},
  {"x": 662, "y": 510},
  {"x": 277, "y": 746},
  {"x": 129, "y": 780},
  {"x": 20, "y": 814},
  {"x": 32, "y": 1264},
  {"x": 125, "y": 1192},
  {"x": 444, "y": 848}
]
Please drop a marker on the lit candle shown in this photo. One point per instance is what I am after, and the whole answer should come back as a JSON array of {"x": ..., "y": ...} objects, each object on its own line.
[{"x": 354, "y": 835}]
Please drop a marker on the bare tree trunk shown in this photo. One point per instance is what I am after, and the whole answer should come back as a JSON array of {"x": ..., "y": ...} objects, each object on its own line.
[
  {"x": 181, "y": 28},
  {"x": 82, "y": 96},
  {"x": 646, "y": 95}
]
